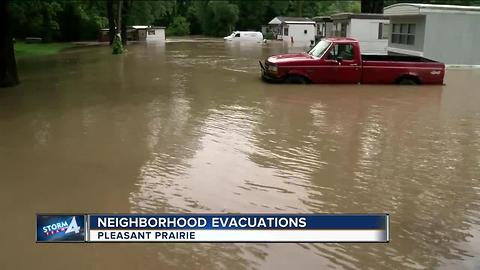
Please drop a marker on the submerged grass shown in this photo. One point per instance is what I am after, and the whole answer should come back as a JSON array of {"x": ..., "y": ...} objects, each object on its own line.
[{"x": 23, "y": 49}]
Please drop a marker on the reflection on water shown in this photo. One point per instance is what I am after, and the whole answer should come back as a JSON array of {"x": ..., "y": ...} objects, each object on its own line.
[{"x": 189, "y": 127}]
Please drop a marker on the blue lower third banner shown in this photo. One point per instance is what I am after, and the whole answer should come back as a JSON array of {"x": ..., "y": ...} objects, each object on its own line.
[
  {"x": 61, "y": 228},
  {"x": 239, "y": 228}
]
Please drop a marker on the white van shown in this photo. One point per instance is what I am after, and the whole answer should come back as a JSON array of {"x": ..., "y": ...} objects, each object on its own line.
[{"x": 245, "y": 36}]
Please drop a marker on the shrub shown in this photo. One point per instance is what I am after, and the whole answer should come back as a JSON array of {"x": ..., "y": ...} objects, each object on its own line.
[
  {"x": 269, "y": 35},
  {"x": 117, "y": 44}
]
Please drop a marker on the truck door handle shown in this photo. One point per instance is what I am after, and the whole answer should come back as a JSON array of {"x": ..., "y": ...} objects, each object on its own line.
[{"x": 354, "y": 65}]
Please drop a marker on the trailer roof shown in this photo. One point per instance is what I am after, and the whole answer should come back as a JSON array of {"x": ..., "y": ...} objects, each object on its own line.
[
  {"x": 349, "y": 15},
  {"x": 291, "y": 20},
  {"x": 322, "y": 19},
  {"x": 421, "y": 9}
]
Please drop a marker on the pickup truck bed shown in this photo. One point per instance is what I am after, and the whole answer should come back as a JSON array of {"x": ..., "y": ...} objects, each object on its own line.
[
  {"x": 396, "y": 58},
  {"x": 384, "y": 69}
]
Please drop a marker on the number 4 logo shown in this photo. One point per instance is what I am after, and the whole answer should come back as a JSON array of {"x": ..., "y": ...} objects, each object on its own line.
[{"x": 73, "y": 227}]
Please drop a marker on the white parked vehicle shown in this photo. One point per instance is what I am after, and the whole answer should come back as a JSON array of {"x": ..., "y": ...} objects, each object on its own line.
[{"x": 245, "y": 36}]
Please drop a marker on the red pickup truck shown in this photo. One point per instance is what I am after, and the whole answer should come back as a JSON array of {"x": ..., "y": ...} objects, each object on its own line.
[{"x": 338, "y": 60}]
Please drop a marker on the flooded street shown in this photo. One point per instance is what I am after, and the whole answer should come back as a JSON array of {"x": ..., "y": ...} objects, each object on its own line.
[{"x": 190, "y": 127}]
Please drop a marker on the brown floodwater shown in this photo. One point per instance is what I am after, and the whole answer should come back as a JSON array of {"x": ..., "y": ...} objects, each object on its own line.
[{"x": 188, "y": 126}]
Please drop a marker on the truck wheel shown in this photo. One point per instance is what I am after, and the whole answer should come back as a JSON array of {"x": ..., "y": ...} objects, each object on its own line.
[
  {"x": 407, "y": 81},
  {"x": 294, "y": 79}
]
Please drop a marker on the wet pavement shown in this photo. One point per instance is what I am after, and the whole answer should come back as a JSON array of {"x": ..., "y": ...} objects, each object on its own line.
[{"x": 189, "y": 127}]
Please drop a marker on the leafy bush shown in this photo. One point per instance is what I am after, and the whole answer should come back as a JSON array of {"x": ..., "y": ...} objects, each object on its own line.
[
  {"x": 269, "y": 35},
  {"x": 179, "y": 27},
  {"x": 117, "y": 44}
]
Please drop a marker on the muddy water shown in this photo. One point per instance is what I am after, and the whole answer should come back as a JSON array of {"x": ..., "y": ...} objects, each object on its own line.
[{"x": 189, "y": 127}]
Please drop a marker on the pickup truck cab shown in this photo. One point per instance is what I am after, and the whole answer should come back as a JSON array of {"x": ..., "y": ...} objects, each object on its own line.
[{"x": 338, "y": 60}]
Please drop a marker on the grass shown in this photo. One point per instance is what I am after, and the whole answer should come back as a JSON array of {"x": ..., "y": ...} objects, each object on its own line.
[{"x": 23, "y": 49}]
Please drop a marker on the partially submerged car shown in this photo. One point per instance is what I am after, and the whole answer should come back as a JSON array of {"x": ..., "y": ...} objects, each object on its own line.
[{"x": 338, "y": 60}]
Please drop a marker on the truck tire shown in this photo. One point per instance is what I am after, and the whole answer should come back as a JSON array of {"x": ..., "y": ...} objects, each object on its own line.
[
  {"x": 295, "y": 79},
  {"x": 407, "y": 81}
]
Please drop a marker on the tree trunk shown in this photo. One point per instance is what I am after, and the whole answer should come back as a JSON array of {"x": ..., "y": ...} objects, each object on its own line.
[
  {"x": 126, "y": 6},
  {"x": 119, "y": 16},
  {"x": 124, "y": 33},
  {"x": 372, "y": 6},
  {"x": 117, "y": 45},
  {"x": 8, "y": 65},
  {"x": 299, "y": 8},
  {"x": 111, "y": 20}
]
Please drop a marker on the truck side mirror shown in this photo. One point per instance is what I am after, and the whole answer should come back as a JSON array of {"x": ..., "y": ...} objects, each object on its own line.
[{"x": 339, "y": 59}]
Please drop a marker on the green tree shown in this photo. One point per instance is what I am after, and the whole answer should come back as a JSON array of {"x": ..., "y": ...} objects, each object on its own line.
[
  {"x": 202, "y": 15},
  {"x": 147, "y": 12},
  {"x": 225, "y": 15},
  {"x": 216, "y": 18},
  {"x": 81, "y": 20},
  {"x": 253, "y": 14},
  {"x": 8, "y": 66},
  {"x": 37, "y": 18},
  {"x": 179, "y": 27},
  {"x": 332, "y": 7},
  {"x": 372, "y": 6}
]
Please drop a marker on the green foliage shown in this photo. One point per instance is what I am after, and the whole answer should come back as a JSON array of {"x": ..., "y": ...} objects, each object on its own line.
[
  {"x": 117, "y": 47},
  {"x": 80, "y": 22},
  {"x": 179, "y": 27},
  {"x": 269, "y": 35},
  {"x": 225, "y": 15},
  {"x": 23, "y": 49},
  {"x": 57, "y": 19},
  {"x": 147, "y": 12},
  {"x": 254, "y": 14},
  {"x": 71, "y": 20},
  {"x": 36, "y": 18},
  {"x": 332, "y": 7},
  {"x": 217, "y": 18}
]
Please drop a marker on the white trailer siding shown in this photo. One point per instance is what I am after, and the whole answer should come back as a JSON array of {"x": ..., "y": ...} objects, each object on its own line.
[
  {"x": 367, "y": 33},
  {"x": 156, "y": 34},
  {"x": 300, "y": 33},
  {"x": 457, "y": 45},
  {"x": 367, "y": 28}
]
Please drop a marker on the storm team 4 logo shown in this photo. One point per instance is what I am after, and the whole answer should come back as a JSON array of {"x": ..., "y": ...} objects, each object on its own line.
[{"x": 60, "y": 228}]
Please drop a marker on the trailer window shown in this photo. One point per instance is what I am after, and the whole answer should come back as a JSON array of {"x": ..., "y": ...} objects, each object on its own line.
[
  {"x": 403, "y": 34},
  {"x": 383, "y": 31}
]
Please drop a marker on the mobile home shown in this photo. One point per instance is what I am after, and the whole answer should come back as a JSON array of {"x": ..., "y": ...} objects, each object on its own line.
[
  {"x": 446, "y": 33},
  {"x": 323, "y": 27},
  {"x": 371, "y": 30},
  {"x": 297, "y": 30},
  {"x": 137, "y": 33}
]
